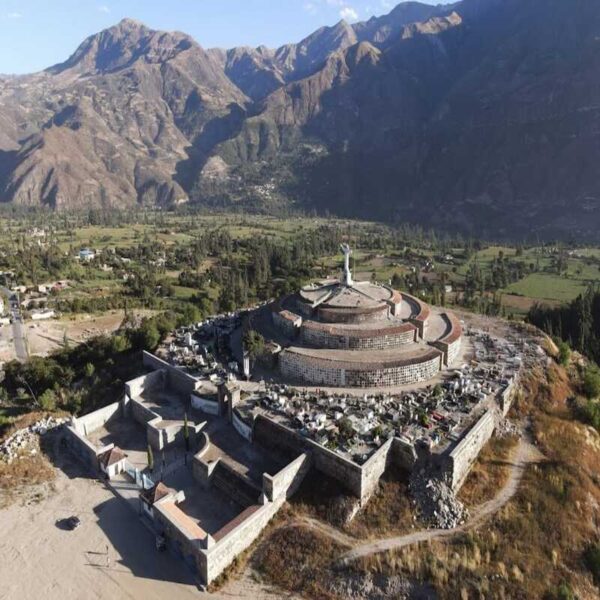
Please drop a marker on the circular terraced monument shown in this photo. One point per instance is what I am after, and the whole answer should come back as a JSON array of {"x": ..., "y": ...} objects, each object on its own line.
[{"x": 345, "y": 333}]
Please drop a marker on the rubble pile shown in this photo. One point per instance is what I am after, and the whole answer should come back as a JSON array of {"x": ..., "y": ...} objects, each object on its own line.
[
  {"x": 506, "y": 429},
  {"x": 24, "y": 441},
  {"x": 436, "y": 502}
]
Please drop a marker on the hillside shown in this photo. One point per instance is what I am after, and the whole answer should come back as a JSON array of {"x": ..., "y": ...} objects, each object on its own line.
[{"x": 479, "y": 116}]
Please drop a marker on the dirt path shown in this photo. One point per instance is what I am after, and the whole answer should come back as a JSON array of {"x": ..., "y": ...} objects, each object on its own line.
[{"x": 525, "y": 454}]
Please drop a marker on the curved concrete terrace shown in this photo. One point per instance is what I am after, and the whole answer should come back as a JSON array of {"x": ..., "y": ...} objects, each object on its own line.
[{"x": 364, "y": 360}]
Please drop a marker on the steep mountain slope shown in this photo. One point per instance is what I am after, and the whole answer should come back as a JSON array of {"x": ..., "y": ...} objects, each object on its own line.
[
  {"x": 484, "y": 119},
  {"x": 481, "y": 116},
  {"x": 110, "y": 125}
]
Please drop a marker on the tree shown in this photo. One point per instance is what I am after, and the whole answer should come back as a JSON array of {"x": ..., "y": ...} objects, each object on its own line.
[
  {"x": 591, "y": 382},
  {"x": 346, "y": 429},
  {"x": 254, "y": 343},
  {"x": 89, "y": 370},
  {"x": 150, "y": 457},
  {"x": 48, "y": 400},
  {"x": 186, "y": 432}
]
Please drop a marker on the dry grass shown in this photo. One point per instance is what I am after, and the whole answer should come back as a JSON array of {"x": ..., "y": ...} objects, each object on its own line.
[
  {"x": 388, "y": 512},
  {"x": 21, "y": 478},
  {"x": 489, "y": 473},
  {"x": 298, "y": 559},
  {"x": 537, "y": 541}
]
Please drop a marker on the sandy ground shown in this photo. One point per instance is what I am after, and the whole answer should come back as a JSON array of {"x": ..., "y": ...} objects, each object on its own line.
[
  {"x": 7, "y": 348},
  {"x": 46, "y": 336},
  {"x": 40, "y": 560}
]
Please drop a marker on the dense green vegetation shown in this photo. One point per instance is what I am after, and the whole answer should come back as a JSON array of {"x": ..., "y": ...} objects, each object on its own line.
[
  {"x": 577, "y": 323},
  {"x": 89, "y": 376}
]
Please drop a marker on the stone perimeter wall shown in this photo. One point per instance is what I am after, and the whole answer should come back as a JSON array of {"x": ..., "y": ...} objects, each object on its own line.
[
  {"x": 309, "y": 370},
  {"x": 463, "y": 456},
  {"x": 359, "y": 480}
]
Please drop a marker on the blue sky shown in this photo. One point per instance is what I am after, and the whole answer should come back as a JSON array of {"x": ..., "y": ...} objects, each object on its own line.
[{"x": 35, "y": 34}]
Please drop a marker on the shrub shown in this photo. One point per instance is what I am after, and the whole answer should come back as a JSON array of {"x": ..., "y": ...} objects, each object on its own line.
[
  {"x": 591, "y": 382},
  {"x": 564, "y": 353},
  {"x": 591, "y": 558}
]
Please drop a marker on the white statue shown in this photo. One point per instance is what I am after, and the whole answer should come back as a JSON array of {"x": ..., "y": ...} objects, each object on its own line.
[{"x": 347, "y": 280}]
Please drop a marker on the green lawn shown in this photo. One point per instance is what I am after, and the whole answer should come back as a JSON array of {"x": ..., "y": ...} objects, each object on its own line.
[{"x": 545, "y": 286}]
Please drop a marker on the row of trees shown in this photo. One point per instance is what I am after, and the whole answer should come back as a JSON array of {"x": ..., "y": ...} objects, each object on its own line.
[{"x": 577, "y": 323}]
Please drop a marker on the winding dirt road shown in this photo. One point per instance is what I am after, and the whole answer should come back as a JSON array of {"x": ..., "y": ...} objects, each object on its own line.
[{"x": 524, "y": 454}]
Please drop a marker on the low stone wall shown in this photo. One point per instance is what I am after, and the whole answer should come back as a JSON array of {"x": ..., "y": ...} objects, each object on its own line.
[
  {"x": 462, "y": 457},
  {"x": 285, "y": 483},
  {"x": 241, "y": 426},
  {"x": 240, "y": 533},
  {"x": 359, "y": 480},
  {"x": 201, "y": 469},
  {"x": 184, "y": 544},
  {"x": 210, "y": 407},
  {"x": 94, "y": 420},
  {"x": 82, "y": 448},
  {"x": 149, "y": 381},
  {"x": 237, "y": 486},
  {"x": 178, "y": 380},
  {"x": 508, "y": 394},
  {"x": 140, "y": 413}
]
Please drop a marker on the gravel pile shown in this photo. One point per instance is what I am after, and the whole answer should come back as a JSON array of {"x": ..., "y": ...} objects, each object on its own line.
[
  {"x": 24, "y": 441},
  {"x": 436, "y": 502}
]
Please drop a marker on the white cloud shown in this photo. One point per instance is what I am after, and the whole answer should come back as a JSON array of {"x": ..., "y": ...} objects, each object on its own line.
[
  {"x": 348, "y": 14},
  {"x": 104, "y": 9},
  {"x": 14, "y": 15},
  {"x": 311, "y": 8}
]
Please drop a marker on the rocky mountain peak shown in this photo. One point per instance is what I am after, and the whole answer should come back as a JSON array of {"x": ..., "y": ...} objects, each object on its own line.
[{"x": 122, "y": 45}]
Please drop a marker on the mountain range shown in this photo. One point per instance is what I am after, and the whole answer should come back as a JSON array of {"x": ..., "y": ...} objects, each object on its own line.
[{"x": 481, "y": 116}]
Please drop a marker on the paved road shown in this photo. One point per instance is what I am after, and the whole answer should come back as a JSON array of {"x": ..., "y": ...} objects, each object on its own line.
[{"x": 19, "y": 334}]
